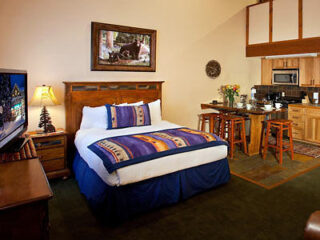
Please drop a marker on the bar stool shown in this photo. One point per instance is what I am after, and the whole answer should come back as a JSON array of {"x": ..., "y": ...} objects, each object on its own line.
[
  {"x": 214, "y": 120},
  {"x": 281, "y": 125},
  {"x": 229, "y": 125}
]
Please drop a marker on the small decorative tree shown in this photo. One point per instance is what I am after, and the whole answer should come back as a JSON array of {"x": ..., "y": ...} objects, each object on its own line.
[{"x": 45, "y": 119}]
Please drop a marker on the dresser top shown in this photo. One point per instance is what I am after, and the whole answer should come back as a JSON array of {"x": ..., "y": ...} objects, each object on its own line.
[{"x": 22, "y": 182}]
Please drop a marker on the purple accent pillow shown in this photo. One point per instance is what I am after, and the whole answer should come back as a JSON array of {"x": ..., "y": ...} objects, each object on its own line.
[{"x": 127, "y": 116}]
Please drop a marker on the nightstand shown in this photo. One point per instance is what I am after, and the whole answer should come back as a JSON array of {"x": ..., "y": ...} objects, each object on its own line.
[{"x": 51, "y": 150}]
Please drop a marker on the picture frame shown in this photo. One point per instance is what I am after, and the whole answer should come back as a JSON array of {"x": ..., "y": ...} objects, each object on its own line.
[{"x": 122, "y": 48}]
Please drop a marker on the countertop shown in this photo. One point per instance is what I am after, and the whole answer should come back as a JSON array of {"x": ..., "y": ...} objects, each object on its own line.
[
  {"x": 255, "y": 111},
  {"x": 305, "y": 105}
]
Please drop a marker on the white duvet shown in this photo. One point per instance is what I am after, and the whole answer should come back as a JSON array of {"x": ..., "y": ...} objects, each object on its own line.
[{"x": 144, "y": 170}]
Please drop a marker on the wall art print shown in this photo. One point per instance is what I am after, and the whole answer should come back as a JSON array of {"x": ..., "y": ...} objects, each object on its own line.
[{"x": 121, "y": 48}]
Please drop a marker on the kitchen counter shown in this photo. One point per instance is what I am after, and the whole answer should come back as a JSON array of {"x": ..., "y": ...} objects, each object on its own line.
[
  {"x": 306, "y": 122},
  {"x": 257, "y": 116},
  {"x": 305, "y": 105}
]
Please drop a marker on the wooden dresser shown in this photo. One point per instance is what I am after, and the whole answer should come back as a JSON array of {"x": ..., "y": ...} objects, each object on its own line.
[
  {"x": 306, "y": 122},
  {"x": 51, "y": 150},
  {"x": 24, "y": 195}
]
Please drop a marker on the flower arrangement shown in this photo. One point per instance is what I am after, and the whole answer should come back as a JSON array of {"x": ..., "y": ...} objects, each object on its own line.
[{"x": 230, "y": 91}]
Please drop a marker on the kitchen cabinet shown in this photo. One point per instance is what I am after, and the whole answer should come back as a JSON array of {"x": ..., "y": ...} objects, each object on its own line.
[
  {"x": 266, "y": 71},
  {"x": 285, "y": 20},
  {"x": 259, "y": 23},
  {"x": 281, "y": 63},
  {"x": 310, "y": 71},
  {"x": 312, "y": 133},
  {"x": 306, "y": 122},
  {"x": 296, "y": 114},
  {"x": 311, "y": 18}
]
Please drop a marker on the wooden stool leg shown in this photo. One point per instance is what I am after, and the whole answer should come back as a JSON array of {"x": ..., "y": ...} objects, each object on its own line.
[
  {"x": 277, "y": 141},
  {"x": 231, "y": 138},
  {"x": 266, "y": 139},
  {"x": 211, "y": 121},
  {"x": 223, "y": 128},
  {"x": 291, "y": 141},
  {"x": 243, "y": 137},
  {"x": 262, "y": 138},
  {"x": 203, "y": 123},
  {"x": 281, "y": 144}
]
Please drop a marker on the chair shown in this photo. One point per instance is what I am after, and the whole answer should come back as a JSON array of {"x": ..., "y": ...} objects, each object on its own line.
[
  {"x": 230, "y": 124},
  {"x": 280, "y": 125},
  {"x": 214, "y": 120}
]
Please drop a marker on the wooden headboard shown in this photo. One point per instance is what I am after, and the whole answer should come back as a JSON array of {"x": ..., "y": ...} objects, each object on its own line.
[{"x": 80, "y": 94}]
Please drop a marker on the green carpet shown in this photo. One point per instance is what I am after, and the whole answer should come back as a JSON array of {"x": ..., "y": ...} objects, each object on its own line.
[
  {"x": 269, "y": 173},
  {"x": 238, "y": 210}
]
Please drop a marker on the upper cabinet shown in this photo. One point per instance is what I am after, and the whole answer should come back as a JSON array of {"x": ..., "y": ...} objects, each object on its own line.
[
  {"x": 284, "y": 63},
  {"x": 311, "y": 18},
  {"x": 259, "y": 23},
  {"x": 280, "y": 27},
  {"x": 285, "y": 20}
]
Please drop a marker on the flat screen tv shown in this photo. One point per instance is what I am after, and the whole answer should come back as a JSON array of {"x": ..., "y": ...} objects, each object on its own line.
[{"x": 13, "y": 109}]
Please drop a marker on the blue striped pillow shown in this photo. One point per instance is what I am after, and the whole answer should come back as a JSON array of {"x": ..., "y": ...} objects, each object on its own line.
[{"x": 127, "y": 116}]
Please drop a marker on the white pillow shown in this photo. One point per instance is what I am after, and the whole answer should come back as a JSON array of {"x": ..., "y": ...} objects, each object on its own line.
[
  {"x": 131, "y": 104},
  {"x": 94, "y": 117},
  {"x": 155, "y": 111}
]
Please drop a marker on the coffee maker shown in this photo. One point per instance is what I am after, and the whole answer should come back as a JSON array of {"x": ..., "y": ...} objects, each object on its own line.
[{"x": 274, "y": 97}]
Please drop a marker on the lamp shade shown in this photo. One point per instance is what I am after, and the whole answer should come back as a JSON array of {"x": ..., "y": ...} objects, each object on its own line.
[{"x": 44, "y": 96}]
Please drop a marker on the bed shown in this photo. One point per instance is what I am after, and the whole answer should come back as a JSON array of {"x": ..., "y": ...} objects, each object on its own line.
[{"x": 140, "y": 187}]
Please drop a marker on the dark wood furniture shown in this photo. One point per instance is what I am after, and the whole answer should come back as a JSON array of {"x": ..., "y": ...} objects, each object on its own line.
[
  {"x": 52, "y": 152},
  {"x": 27, "y": 152},
  {"x": 256, "y": 116},
  {"x": 280, "y": 125},
  {"x": 80, "y": 94},
  {"x": 24, "y": 195},
  {"x": 229, "y": 125},
  {"x": 312, "y": 229}
]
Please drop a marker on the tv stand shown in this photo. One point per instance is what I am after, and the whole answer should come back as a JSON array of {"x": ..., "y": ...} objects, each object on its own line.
[
  {"x": 27, "y": 151},
  {"x": 17, "y": 145}
]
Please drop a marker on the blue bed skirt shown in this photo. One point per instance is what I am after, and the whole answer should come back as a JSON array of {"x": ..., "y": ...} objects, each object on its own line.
[{"x": 119, "y": 203}]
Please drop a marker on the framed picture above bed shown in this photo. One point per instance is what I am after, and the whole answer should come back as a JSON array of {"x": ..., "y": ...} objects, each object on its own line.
[{"x": 121, "y": 48}]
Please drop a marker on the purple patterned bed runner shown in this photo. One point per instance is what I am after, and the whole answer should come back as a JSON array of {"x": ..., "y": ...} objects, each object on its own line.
[{"x": 121, "y": 151}]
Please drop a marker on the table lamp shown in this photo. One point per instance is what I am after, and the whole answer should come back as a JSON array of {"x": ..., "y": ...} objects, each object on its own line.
[{"x": 44, "y": 96}]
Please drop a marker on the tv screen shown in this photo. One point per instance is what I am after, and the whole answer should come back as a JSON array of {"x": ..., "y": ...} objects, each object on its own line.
[{"x": 13, "y": 105}]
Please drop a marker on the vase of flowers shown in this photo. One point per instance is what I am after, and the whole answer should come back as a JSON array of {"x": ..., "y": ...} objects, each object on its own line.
[{"x": 230, "y": 91}]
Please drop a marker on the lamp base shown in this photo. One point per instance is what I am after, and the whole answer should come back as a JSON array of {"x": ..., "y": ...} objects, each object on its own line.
[{"x": 45, "y": 121}]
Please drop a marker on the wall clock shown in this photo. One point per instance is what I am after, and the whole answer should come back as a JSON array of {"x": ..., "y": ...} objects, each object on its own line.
[{"x": 213, "y": 69}]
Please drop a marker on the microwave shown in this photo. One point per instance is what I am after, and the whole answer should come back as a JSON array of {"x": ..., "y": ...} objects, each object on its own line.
[{"x": 285, "y": 76}]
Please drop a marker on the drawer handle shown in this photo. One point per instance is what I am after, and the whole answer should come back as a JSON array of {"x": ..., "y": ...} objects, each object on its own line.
[{"x": 50, "y": 143}]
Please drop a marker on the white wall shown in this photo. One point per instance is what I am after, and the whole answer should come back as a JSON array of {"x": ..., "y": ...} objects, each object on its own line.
[{"x": 51, "y": 40}]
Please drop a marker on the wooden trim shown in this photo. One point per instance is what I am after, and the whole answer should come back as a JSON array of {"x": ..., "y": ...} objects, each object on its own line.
[
  {"x": 247, "y": 26},
  {"x": 300, "y": 19},
  {"x": 307, "y": 45},
  {"x": 252, "y": 5},
  {"x": 278, "y": 183},
  {"x": 270, "y": 20}
]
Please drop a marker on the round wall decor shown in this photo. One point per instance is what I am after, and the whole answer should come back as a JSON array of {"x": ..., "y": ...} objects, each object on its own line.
[{"x": 213, "y": 69}]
